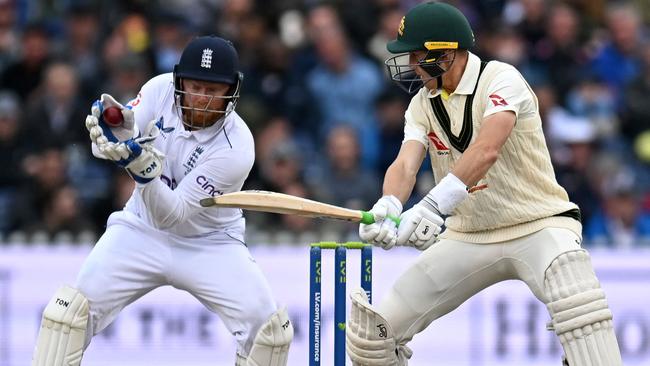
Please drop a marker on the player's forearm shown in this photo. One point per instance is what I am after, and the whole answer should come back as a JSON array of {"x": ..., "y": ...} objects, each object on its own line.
[
  {"x": 399, "y": 181},
  {"x": 474, "y": 163},
  {"x": 165, "y": 207},
  {"x": 484, "y": 151}
]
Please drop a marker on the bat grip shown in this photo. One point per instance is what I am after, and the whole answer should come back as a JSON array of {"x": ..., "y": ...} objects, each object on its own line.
[{"x": 368, "y": 218}]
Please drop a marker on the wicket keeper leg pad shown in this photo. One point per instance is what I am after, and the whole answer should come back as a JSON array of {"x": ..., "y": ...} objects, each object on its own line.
[
  {"x": 271, "y": 344},
  {"x": 63, "y": 329}
]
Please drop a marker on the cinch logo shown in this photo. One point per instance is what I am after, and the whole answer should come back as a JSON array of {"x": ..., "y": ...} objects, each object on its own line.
[
  {"x": 206, "y": 186},
  {"x": 206, "y": 58},
  {"x": 437, "y": 142},
  {"x": 497, "y": 100}
]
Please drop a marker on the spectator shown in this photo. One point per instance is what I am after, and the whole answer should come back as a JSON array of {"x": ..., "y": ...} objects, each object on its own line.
[
  {"x": 294, "y": 223},
  {"x": 590, "y": 98},
  {"x": 46, "y": 172},
  {"x": 57, "y": 113},
  {"x": 80, "y": 48},
  {"x": 171, "y": 34},
  {"x": 128, "y": 74},
  {"x": 12, "y": 146},
  {"x": 559, "y": 54},
  {"x": 345, "y": 84},
  {"x": 12, "y": 141},
  {"x": 61, "y": 212},
  {"x": 636, "y": 109},
  {"x": 391, "y": 106},
  {"x": 266, "y": 83},
  {"x": 344, "y": 182},
  {"x": 619, "y": 223},
  {"x": 617, "y": 61},
  {"x": 9, "y": 36},
  {"x": 532, "y": 25},
  {"x": 388, "y": 23},
  {"x": 575, "y": 173},
  {"x": 130, "y": 37},
  {"x": 25, "y": 74}
]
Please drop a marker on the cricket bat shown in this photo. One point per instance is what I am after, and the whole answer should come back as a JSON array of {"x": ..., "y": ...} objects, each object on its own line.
[{"x": 281, "y": 203}]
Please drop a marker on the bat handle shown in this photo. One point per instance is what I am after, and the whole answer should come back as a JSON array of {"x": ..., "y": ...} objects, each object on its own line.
[{"x": 368, "y": 218}]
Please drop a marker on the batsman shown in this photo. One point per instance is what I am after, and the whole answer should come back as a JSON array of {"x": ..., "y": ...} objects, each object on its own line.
[{"x": 505, "y": 215}]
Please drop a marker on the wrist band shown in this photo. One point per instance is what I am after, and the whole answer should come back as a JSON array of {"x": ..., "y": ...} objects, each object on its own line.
[{"x": 448, "y": 194}]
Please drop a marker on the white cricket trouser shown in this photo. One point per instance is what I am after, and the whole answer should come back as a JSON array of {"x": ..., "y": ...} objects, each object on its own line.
[
  {"x": 128, "y": 261},
  {"x": 450, "y": 272}
]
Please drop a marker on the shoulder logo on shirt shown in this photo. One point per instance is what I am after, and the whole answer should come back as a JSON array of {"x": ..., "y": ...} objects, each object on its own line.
[
  {"x": 194, "y": 156},
  {"x": 161, "y": 126},
  {"x": 206, "y": 184},
  {"x": 497, "y": 100},
  {"x": 438, "y": 144}
]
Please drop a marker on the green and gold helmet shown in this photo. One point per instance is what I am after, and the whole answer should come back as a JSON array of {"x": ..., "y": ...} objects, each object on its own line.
[{"x": 434, "y": 27}]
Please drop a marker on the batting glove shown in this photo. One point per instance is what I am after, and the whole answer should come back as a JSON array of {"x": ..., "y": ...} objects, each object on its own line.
[
  {"x": 419, "y": 226},
  {"x": 383, "y": 232}
]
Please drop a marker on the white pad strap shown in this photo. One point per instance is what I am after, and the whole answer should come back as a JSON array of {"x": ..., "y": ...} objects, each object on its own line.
[
  {"x": 369, "y": 337},
  {"x": 580, "y": 315},
  {"x": 63, "y": 330},
  {"x": 271, "y": 344}
]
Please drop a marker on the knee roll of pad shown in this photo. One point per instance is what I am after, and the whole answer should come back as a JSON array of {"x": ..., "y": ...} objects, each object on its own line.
[
  {"x": 63, "y": 330},
  {"x": 579, "y": 312},
  {"x": 271, "y": 344},
  {"x": 369, "y": 337}
]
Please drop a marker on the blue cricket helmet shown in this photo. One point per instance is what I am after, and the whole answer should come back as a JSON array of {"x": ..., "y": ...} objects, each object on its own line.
[
  {"x": 212, "y": 59},
  {"x": 209, "y": 58}
]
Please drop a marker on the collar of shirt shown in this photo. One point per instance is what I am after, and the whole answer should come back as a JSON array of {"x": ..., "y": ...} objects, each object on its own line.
[
  {"x": 467, "y": 81},
  {"x": 204, "y": 134}
]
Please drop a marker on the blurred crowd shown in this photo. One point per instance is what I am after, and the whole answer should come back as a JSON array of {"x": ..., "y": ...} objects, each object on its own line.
[{"x": 326, "y": 119}]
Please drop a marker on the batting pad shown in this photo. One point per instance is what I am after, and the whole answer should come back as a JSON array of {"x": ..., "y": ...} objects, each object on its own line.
[
  {"x": 369, "y": 337},
  {"x": 579, "y": 312},
  {"x": 63, "y": 330},
  {"x": 271, "y": 344}
]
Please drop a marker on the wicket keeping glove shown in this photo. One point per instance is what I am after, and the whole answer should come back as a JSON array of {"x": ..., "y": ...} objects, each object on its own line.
[
  {"x": 137, "y": 155},
  {"x": 100, "y": 132},
  {"x": 383, "y": 232}
]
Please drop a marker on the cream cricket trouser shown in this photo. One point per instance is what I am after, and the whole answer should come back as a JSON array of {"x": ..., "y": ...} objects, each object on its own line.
[
  {"x": 450, "y": 272},
  {"x": 126, "y": 263}
]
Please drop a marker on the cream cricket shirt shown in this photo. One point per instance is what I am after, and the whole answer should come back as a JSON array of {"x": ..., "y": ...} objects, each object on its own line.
[
  {"x": 198, "y": 164},
  {"x": 522, "y": 195}
]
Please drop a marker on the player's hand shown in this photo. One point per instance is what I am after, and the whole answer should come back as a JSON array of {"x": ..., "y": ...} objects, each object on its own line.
[
  {"x": 137, "y": 155},
  {"x": 383, "y": 232},
  {"x": 100, "y": 132},
  {"x": 419, "y": 227}
]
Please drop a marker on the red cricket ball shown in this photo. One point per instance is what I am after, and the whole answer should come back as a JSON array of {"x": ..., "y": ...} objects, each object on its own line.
[{"x": 113, "y": 116}]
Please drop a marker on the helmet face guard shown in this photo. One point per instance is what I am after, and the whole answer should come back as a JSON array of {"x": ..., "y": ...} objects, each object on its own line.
[
  {"x": 192, "y": 116},
  {"x": 402, "y": 72}
]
